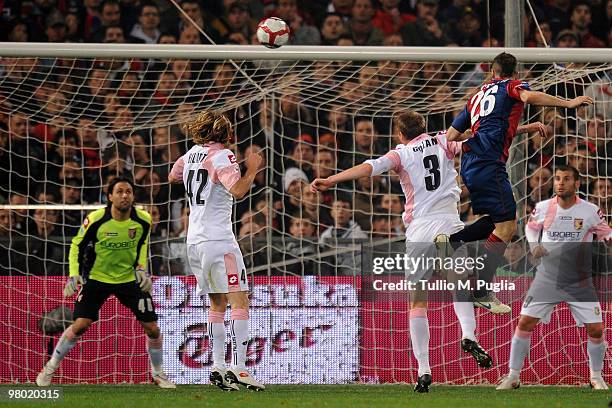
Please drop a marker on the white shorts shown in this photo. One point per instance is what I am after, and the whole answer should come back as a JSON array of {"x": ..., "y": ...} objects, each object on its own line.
[
  {"x": 583, "y": 312},
  {"x": 218, "y": 266},
  {"x": 420, "y": 235}
]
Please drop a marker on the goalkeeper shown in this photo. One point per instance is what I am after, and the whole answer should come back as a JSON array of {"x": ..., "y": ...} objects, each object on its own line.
[{"x": 108, "y": 257}]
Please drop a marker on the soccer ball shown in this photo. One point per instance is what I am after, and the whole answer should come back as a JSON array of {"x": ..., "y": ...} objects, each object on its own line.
[{"x": 272, "y": 32}]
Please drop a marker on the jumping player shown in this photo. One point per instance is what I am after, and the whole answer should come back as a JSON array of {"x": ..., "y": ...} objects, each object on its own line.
[
  {"x": 427, "y": 174},
  {"x": 555, "y": 231},
  {"x": 493, "y": 114},
  {"x": 212, "y": 179}
]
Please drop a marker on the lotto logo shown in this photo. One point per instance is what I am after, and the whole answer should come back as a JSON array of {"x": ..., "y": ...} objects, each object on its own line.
[{"x": 232, "y": 279}]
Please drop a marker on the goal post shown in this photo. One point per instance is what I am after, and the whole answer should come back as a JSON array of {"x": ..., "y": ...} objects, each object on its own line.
[{"x": 72, "y": 116}]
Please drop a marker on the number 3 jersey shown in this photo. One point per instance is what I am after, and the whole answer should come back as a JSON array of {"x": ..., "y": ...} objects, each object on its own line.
[
  {"x": 209, "y": 172},
  {"x": 493, "y": 115},
  {"x": 426, "y": 168}
]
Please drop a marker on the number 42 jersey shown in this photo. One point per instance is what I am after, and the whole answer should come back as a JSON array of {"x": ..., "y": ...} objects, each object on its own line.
[{"x": 208, "y": 172}]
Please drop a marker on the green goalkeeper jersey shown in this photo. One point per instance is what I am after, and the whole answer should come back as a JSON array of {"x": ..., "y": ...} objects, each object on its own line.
[{"x": 108, "y": 250}]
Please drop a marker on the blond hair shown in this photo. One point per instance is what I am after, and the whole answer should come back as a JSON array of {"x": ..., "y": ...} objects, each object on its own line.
[{"x": 209, "y": 126}]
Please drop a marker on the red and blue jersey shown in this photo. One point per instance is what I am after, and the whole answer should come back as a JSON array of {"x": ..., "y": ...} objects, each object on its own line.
[{"x": 493, "y": 114}]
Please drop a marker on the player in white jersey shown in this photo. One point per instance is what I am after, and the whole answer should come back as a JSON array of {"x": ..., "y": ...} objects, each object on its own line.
[
  {"x": 212, "y": 179},
  {"x": 425, "y": 165},
  {"x": 555, "y": 231}
]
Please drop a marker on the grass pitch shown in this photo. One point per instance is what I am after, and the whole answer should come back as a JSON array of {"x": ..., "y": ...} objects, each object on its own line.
[{"x": 352, "y": 396}]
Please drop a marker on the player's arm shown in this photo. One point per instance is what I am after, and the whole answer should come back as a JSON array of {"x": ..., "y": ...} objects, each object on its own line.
[
  {"x": 533, "y": 231},
  {"x": 532, "y": 128},
  {"x": 176, "y": 174},
  {"x": 239, "y": 188},
  {"x": 601, "y": 230},
  {"x": 366, "y": 169},
  {"x": 458, "y": 130},
  {"x": 79, "y": 242},
  {"x": 140, "y": 271},
  {"x": 544, "y": 99}
]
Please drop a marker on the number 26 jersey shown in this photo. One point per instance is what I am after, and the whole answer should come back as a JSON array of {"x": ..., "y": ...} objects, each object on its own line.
[{"x": 208, "y": 172}]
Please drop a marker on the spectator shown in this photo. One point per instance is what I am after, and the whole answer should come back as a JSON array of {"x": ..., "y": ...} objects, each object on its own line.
[
  {"x": 190, "y": 35},
  {"x": 426, "y": 30},
  {"x": 360, "y": 27},
  {"x": 466, "y": 31},
  {"x": 364, "y": 144},
  {"x": 313, "y": 209},
  {"x": 558, "y": 14},
  {"x": 167, "y": 38},
  {"x": 302, "y": 155},
  {"x": 6, "y": 223},
  {"x": 73, "y": 27},
  {"x": 45, "y": 254},
  {"x": 23, "y": 146},
  {"x": 236, "y": 25},
  {"x": 342, "y": 7},
  {"x": 382, "y": 225},
  {"x": 581, "y": 22},
  {"x": 300, "y": 24},
  {"x": 55, "y": 29},
  {"x": 389, "y": 19},
  {"x": 332, "y": 28},
  {"x": 147, "y": 28},
  {"x": 91, "y": 19},
  {"x": 18, "y": 31},
  {"x": 601, "y": 195},
  {"x": 540, "y": 184},
  {"x": 20, "y": 216},
  {"x": 567, "y": 39}
]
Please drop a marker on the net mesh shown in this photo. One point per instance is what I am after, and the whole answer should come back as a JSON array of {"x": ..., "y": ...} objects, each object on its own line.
[{"x": 67, "y": 126}]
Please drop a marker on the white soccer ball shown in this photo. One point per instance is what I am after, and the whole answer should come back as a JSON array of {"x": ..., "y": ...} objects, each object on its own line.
[{"x": 272, "y": 32}]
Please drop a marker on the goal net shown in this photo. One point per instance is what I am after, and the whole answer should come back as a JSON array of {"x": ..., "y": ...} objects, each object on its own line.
[{"x": 73, "y": 118}]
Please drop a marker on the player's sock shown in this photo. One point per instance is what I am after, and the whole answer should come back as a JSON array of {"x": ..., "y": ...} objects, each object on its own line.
[
  {"x": 596, "y": 349},
  {"x": 476, "y": 231},
  {"x": 467, "y": 320},
  {"x": 239, "y": 330},
  {"x": 63, "y": 347},
  {"x": 495, "y": 248},
  {"x": 156, "y": 354},
  {"x": 519, "y": 349},
  {"x": 419, "y": 336},
  {"x": 216, "y": 334}
]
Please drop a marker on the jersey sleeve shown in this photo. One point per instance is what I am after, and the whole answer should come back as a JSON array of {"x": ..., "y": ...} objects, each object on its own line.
[
  {"x": 226, "y": 169},
  {"x": 177, "y": 169},
  {"x": 462, "y": 121},
  {"x": 535, "y": 225},
  {"x": 144, "y": 250},
  {"x": 390, "y": 161},
  {"x": 79, "y": 242},
  {"x": 600, "y": 229},
  {"x": 514, "y": 87},
  {"x": 450, "y": 148}
]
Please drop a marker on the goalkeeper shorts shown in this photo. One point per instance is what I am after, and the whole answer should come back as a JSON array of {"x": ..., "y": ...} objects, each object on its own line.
[{"x": 94, "y": 293}]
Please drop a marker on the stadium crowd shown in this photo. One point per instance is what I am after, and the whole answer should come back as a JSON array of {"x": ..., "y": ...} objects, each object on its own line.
[{"x": 63, "y": 127}]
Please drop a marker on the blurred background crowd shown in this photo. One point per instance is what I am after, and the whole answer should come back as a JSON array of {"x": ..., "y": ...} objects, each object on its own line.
[{"x": 65, "y": 124}]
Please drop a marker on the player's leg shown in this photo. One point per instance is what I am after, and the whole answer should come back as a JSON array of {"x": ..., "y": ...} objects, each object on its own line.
[
  {"x": 491, "y": 193},
  {"x": 479, "y": 230},
  {"x": 141, "y": 305},
  {"x": 216, "y": 334},
  {"x": 419, "y": 337},
  {"x": 89, "y": 301},
  {"x": 239, "y": 332},
  {"x": 596, "y": 349},
  {"x": 229, "y": 276},
  {"x": 519, "y": 347},
  {"x": 590, "y": 314}
]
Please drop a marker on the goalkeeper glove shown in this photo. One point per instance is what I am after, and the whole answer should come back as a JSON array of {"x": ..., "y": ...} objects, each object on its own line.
[
  {"x": 143, "y": 280},
  {"x": 73, "y": 285}
]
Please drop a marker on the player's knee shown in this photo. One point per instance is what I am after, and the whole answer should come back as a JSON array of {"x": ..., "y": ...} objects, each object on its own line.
[
  {"x": 152, "y": 331},
  {"x": 595, "y": 331},
  {"x": 80, "y": 326},
  {"x": 505, "y": 231},
  {"x": 527, "y": 324},
  {"x": 239, "y": 300}
]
